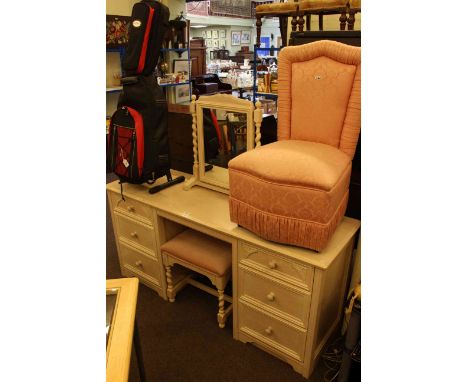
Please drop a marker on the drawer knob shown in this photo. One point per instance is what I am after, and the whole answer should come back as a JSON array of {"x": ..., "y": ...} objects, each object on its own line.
[
  {"x": 131, "y": 209},
  {"x": 271, "y": 296},
  {"x": 134, "y": 234},
  {"x": 138, "y": 263},
  {"x": 272, "y": 264},
  {"x": 269, "y": 330}
]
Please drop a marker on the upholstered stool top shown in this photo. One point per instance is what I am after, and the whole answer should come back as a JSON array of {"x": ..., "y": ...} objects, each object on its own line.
[
  {"x": 295, "y": 163},
  {"x": 276, "y": 8},
  {"x": 201, "y": 250},
  {"x": 355, "y": 4},
  {"x": 323, "y": 5}
]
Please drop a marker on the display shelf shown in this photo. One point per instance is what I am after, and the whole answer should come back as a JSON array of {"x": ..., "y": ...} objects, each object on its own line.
[
  {"x": 113, "y": 89},
  {"x": 179, "y": 51},
  {"x": 255, "y": 72},
  {"x": 176, "y": 84}
]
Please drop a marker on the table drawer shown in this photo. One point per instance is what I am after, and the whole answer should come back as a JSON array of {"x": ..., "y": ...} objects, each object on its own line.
[
  {"x": 132, "y": 208},
  {"x": 138, "y": 262},
  {"x": 273, "y": 332},
  {"x": 136, "y": 233},
  {"x": 285, "y": 269},
  {"x": 290, "y": 302}
]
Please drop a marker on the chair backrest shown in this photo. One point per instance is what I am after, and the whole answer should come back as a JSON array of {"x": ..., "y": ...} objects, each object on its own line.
[{"x": 319, "y": 94}]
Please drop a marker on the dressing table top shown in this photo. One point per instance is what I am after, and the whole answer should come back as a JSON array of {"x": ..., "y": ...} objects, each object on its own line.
[{"x": 210, "y": 209}]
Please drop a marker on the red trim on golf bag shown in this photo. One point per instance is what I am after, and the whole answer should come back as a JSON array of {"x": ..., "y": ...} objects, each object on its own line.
[
  {"x": 218, "y": 131},
  {"x": 141, "y": 62},
  {"x": 140, "y": 138}
]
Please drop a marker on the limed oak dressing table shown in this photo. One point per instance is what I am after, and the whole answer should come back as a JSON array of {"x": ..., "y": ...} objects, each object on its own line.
[{"x": 286, "y": 300}]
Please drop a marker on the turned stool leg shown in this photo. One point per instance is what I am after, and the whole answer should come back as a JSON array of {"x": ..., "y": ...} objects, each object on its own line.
[
  {"x": 308, "y": 19},
  {"x": 221, "y": 315},
  {"x": 283, "y": 21},
  {"x": 259, "y": 29},
  {"x": 170, "y": 287},
  {"x": 321, "y": 22},
  {"x": 343, "y": 19}
]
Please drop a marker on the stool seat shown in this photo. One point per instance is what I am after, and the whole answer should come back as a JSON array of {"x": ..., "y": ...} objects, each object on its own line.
[
  {"x": 322, "y": 5},
  {"x": 201, "y": 250}
]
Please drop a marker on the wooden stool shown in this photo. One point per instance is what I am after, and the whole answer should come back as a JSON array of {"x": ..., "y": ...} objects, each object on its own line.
[{"x": 202, "y": 254}]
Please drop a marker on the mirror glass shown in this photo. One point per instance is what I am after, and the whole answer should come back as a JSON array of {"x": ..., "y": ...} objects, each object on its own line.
[
  {"x": 224, "y": 137},
  {"x": 111, "y": 302}
]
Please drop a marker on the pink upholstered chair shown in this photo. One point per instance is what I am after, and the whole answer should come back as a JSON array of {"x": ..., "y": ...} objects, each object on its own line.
[{"x": 295, "y": 191}]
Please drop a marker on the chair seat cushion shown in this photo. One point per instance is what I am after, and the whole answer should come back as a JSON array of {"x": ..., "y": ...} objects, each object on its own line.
[
  {"x": 276, "y": 8},
  {"x": 321, "y": 5},
  {"x": 201, "y": 250},
  {"x": 290, "y": 191}
]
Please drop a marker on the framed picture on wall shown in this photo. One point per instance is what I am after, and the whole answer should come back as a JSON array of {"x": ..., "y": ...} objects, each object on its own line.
[
  {"x": 214, "y": 34},
  {"x": 182, "y": 93},
  {"x": 245, "y": 37},
  {"x": 215, "y": 43},
  {"x": 203, "y": 34},
  {"x": 222, "y": 33},
  {"x": 222, "y": 44},
  {"x": 235, "y": 38},
  {"x": 208, "y": 34},
  {"x": 209, "y": 43},
  {"x": 180, "y": 66}
]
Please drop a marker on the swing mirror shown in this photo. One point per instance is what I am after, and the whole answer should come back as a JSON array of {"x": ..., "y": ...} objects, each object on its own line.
[{"x": 223, "y": 127}]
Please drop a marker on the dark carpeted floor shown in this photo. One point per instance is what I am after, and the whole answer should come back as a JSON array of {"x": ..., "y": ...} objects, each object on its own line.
[{"x": 181, "y": 341}]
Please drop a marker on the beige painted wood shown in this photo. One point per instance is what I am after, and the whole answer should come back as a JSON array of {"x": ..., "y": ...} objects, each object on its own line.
[
  {"x": 119, "y": 348},
  {"x": 136, "y": 233},
  {"x": 275, "y": 332},
  {"x": 273, "y": 296},
  {"x": 139, "y": 262},
  {"x": 217, "y": 178},
  {"x": 210, "y": 210},
  {"x": 276, "y": 265},
  {"x": 132, "y": 209},
  {"x": 259, "y": 267}
]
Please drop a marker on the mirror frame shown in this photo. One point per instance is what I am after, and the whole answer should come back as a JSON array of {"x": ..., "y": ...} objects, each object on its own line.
[{"x": 231, "y": 104}]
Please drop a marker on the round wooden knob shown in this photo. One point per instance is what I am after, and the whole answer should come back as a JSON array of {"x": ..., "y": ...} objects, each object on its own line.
[
  {"x": 134, "y": 234},
  {"x": 131, "y": 209},
  {"x": 271, "y": 296},
  {"x": 269, "y": 330},
  {"x": 272, "y": 264},
  {"x": 139, "y": 263}
]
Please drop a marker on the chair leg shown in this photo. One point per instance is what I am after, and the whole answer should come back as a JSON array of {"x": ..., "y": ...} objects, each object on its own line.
[
  {"x": 301, "y": 22},
  {"x": 170, "y": 287},
  {"x": 308, "y": 23},
  {"x": 320, "y": 22},
  {"x": 259, "y": 29},
  {"x": 283, "y": 22},
  {"x": 221, "y": 314},
  {"x": 351, "y": 20},
  {"x": 343, "y": 19},
  {"x": 294, "y": 23}
]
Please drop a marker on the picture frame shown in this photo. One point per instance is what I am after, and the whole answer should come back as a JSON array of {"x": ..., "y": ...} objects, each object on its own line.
[
  {"x": 215, "y": 43},
  {"x": 208, "y": 34},
  {"x": 182, "y": 65},
  {"x": 245, "y": 37},
  {"x": 203, "y": 34},
  {"x": 222, "y": 33},
  {"x": 235, "y": 38},
  {"x": 117, "y": 28},
  {"x": 214, "y": 34},
  {"x": 182, "y": 93},
  {"x": 222, "y": 44},
  {"x": 209, "y": 43}
]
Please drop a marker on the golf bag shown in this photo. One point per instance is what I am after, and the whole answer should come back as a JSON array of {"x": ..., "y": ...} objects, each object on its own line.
[{"x": 138, "y": 147}]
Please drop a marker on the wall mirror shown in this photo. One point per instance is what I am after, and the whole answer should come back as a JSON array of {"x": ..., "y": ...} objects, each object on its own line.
[{"x": 223, "y": 127}]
